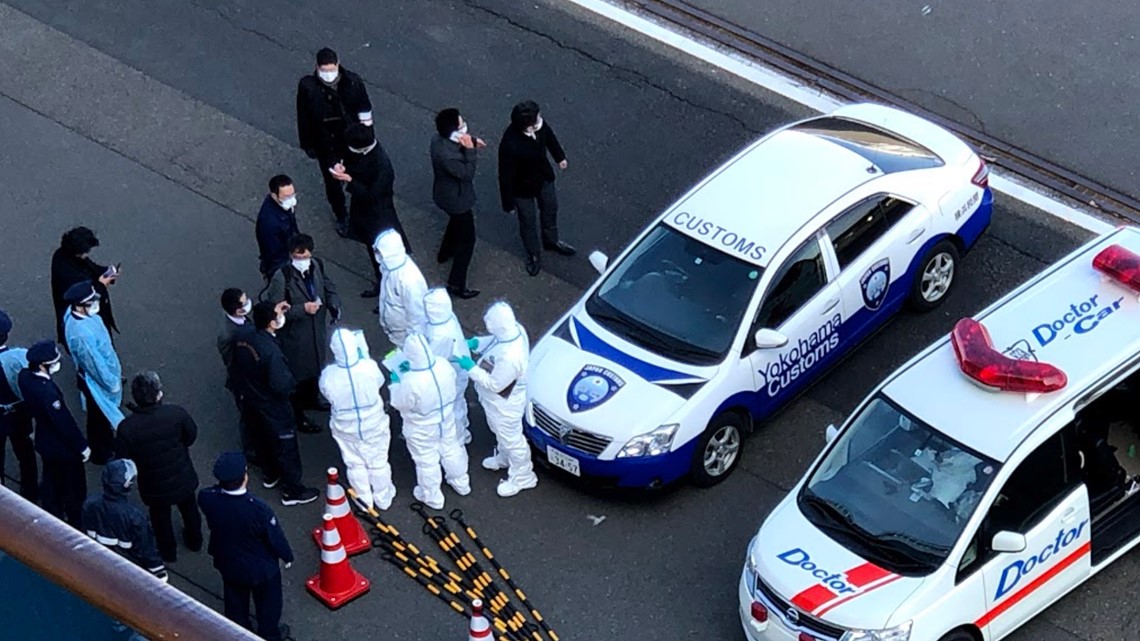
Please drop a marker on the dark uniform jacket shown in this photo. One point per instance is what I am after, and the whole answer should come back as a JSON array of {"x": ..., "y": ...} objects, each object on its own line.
[
  {"x": 275, "y": 226},
  {"x": 228, "y": 331},
  {"x": 453, "y": 166},
  {"x": 246, "y": 540},
  {"x": 112, "y": 520},
  {"x": 66, "y": 270},
  {"x": 373, "y": 187},
  {"x": 264, "y": 380},
  {"x": 304, "y": 339},
  {"x": 157, "y": 438},
  {"x": 57, "y": 436},
  {"x": 523, "y": 165},
  {"x": 325, "y": 111}
]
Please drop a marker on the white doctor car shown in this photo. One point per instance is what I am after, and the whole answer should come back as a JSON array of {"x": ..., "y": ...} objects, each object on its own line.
[
  {"x": 747, "y": 289},
  {"x": 979, "y": 483}
]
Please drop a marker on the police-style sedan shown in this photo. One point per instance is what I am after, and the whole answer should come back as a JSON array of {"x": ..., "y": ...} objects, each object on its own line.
[{"x": 747, "y": 289}]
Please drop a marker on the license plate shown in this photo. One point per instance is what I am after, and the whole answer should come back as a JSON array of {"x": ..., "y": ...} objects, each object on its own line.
[{"x": 563, "y": 461}]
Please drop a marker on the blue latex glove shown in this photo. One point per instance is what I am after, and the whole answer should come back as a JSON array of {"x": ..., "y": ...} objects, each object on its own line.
[
  {"x": 405, "y": 366},
  {"x": 466, "y": 362},
  {"x": 473, "y": 344},
  {"x": 393, "y": 377}
]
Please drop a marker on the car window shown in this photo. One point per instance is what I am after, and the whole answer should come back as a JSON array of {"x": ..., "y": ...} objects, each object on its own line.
[
  {"x": 799, "y": 278},
  {"x": 859, "y": 227}
]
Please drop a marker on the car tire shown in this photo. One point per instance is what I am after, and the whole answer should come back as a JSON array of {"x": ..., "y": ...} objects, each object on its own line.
[
  {"x": 959, "y": 635},
  {"x": 718, "y": 450},
  {"x": 935, "y": 277}
]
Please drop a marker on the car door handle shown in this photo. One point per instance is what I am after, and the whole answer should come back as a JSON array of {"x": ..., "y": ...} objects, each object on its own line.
[
  {"x": 915, "y": 235},
  {"x": 1069, "y": 516},
  {"x": 829, "y": 305}
]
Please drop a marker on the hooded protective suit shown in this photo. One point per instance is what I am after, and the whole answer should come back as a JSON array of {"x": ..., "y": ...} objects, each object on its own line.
[
  {"x": 357, "y": 419},
  {"x": 402, "y": 289},
  {"x": 499, "y": 377},
  {"x": 112, "y": 520},
  {"x": 97, "y": 363},
  {"x": 447, "y": 342},
  {"x": 425, "y": 396}
]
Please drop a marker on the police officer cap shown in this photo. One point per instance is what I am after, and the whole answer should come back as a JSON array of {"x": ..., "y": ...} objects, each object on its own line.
[
  {"x": 43, "y": 352},
  {"x": 5, "y": 323},
  {"x": 80, "y": 293},
  {"x": 230, "y": 467}
]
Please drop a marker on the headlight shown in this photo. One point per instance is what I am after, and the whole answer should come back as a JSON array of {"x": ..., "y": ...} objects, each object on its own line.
[
  {"x": 653, "y": 443},
  {"x": 900, "y": 632}
]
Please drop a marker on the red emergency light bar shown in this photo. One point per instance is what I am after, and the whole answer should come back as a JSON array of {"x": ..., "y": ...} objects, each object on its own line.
[
  {"x": 1119, "y": 264},
  {"x": 980, "y": 361}
]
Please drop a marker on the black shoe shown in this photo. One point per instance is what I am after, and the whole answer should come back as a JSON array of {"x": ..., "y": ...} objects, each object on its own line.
[
  {"x": 308, "y": 427},
  {"x": 465, "y": 293},
  {"x": 300, "y": 497},
  {"x": 342, "y": 228},
  {"x": 561, "y": 248},
  {"x": 194, "y": 545},
  {"x": 171, "y": 557},
  {"x": 372, "y": 292},
  {"x": 269, "y": 483},
  {"x": 251, "y": 460},
  {"x": 532, "y": 265},
  {"x": 322, "y": 406}
]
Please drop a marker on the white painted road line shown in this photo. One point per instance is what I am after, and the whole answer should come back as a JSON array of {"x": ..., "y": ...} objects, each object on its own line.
[{"x": 814, "y": 98}]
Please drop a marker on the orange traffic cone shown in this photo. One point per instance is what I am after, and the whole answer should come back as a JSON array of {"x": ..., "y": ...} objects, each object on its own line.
[
  {"x": 336, "y": 583},
  {"x": 480, "y": 628},
  {"x": 351, "y": 533}
]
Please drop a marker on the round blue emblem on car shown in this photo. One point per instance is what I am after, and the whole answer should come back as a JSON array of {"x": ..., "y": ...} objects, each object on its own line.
[
  {"x": 875, "y": 284},
  {"x": 591, "y": 387}
]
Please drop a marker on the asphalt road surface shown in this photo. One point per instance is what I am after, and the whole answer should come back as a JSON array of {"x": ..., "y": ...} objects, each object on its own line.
[{"x": 158, "y": 123}]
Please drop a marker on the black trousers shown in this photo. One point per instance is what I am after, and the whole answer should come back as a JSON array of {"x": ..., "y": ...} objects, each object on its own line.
[
  {"x": 278, "y": 450},
  {"x": 245, "y": 433},
  {"x": 533, "y": 212},
  {"x": 164, "y": 527},
  {"x": 334, "y": 189},
  {"x": 458, "y": 244},
  {"x": 16, "y": 428},
  {"x": 266, "y": 600},
  {"x": 100, "y": 435},
  {"x": 64, "y": 490},
  {"x": 305, "y": 397}
]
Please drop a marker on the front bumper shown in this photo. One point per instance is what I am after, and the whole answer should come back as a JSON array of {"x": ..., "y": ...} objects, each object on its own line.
[
  {"x": 647, "y": 472},
  {"x": 769, "y": 630}
]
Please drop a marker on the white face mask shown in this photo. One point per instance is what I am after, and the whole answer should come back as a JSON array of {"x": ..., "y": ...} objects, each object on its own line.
[
  {"x": 328, "y": 76},
  {"x": 289, "y": 202},
  {"x": 280, "y": 321},
  {"x": 536, "y": 126},
  {"x": 247, "y": 308},
  {"x": 93, "y": 309},
  {"x": 302, "y": 264},
  {"x": 463, "y": 129},
  {"x": 54, "y": 367}
]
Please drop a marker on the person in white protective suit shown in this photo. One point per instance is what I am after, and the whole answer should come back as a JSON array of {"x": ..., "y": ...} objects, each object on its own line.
[
  {"x": 402, "y": 288},
  {"x": 424, "y": 392},
  {"x": 357, "y": 420},
  {"x": 499, "y": 377},
  {"x": 447, "y": 342}
]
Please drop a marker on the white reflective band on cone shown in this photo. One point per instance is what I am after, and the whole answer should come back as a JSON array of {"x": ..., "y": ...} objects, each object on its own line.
[{"x": 480, "y": 627}]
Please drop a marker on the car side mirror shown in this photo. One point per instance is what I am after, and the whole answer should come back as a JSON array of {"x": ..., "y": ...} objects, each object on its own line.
[
  {"x": 769, "y": 338},
  {"x": 600, "y": 261},
  {"x": 1006, "y": 541},
  {"x": 830, "y": 433}
]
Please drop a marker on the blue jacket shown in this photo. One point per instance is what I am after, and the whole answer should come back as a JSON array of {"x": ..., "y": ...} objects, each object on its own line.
[
  {"x": 246, "y": 540},
  {"x": 12, "y": 360},
  {"x": 57, "y": 436},
  {"x": 274, "y": 228},
  {"x": 97, "y": 363},
  {"x": 114, "y": 521}
]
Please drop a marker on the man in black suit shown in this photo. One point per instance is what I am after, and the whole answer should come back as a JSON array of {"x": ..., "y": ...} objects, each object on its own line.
[{"x": 247, "y": 544}]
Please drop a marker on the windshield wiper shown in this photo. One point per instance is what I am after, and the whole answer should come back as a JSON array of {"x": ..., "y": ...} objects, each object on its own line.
[
  {"x": 639, "y": 332},
  {"x": 843, "y": 522}
]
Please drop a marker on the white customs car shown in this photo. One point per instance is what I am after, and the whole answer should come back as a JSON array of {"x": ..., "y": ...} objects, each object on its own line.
[
  {"x": 747, "y": 289},
  {"x": 979, "y": 483}
]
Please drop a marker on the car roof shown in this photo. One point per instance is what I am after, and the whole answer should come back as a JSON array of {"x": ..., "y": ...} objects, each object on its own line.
[
  {"x": 1037, "y": 321},
  {"x": 760, "y": 199}
]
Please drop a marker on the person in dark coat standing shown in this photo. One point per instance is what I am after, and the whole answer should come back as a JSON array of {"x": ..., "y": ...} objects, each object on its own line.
[
  {"x": 368, "y": 172},
  {"x": 58, "y": 439},
  {"x": 112, "y": 520},
  {"x": 526, "y": 181},
  {"x": 454, "y": 157},
  {"x": 328, "y": 101},
  {"x": 276, "y": 224},
  {"x": 71, "y": 264},
  {"x": 235, "y": 321},
  {"x": 266, "y": 385},
  {"x": 15, "y": 421},
  {"x": 248, "y": 546},
  {"x": 157, "y": 437},
  {"x": 313, "y": 305}
]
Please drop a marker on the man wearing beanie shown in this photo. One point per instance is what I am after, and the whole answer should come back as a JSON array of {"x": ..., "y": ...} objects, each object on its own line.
[
  {"x": 248, "y": 545},
  {"x": 328, "y": 101},
  {"x": 15, "y": 421},
  {"x": 58, "y": 440}
]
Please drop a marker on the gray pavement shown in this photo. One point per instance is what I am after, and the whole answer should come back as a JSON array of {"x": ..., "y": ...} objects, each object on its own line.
[{"x": 158, "y": 124}]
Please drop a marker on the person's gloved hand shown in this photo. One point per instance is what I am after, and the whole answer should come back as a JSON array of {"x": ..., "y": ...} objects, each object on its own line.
[
  {"x": 288, "y": 565},
  {"x": 473, "y": 344},
  {"x": 466, "y": 362},
  {"x": 393, "y": 377},
  {"x": 405, "y": 367}
]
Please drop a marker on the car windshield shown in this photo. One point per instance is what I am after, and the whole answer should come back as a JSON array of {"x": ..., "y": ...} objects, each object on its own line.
[
  {"x": 676, "y": 296},
  {"x": 896, "y": 489}
]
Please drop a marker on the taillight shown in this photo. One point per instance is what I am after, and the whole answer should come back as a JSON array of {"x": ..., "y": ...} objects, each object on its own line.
[
  {"x": 759, "y": 612},
  {"x": 1119, "y": 264},
  {"x": 982, "y": 175},
  {"x": 980, "y": 361}
]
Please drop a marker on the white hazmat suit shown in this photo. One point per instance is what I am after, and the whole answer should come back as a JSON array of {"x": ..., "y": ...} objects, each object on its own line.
[
  {"x": 499, "y": 377},
  {"x": 357, "y": 419},
  {"x": 447, "y": 342},
  {"x": 424, "y": 392},
  {"x": 402, "y": 289}
]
